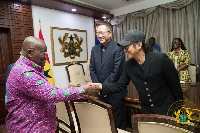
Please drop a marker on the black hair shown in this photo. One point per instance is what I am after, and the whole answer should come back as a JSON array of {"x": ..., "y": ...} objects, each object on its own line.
[
  {"x": 105, "y": 23},
  {"x": 182, "y": 45},
  {"x": 152, "y": 39},
  {"x": 143, "y": 46}
]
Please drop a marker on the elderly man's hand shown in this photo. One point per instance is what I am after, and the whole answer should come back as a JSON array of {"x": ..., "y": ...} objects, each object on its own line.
[
  {"x": 92, "y": 89},
  {"x": 98, "y": 85}
]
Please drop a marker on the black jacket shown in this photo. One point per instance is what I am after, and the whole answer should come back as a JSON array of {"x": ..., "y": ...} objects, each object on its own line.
[{"x": 158, "y": 86}]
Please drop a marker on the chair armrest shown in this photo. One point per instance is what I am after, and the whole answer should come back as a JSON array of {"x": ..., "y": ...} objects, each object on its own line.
[{"x": 74, "y": 85}]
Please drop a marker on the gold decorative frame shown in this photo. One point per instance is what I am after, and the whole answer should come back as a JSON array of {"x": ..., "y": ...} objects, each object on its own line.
[{"x": 68, "y": 45}]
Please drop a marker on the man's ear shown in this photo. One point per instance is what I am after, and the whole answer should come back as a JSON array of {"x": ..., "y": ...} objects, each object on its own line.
[
  {"x": 29, "y": 52},
  {"x": 140, "y": 44}
]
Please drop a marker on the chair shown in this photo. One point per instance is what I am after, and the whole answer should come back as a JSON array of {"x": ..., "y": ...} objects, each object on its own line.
[
  {"x": 76, "y": 74},
  {"x": 87, "y": 72},
  {"x": 66, "y": 118},
  {"x": 154, "y": 123},
  {"x": 94, "y": 116},
  {"x": 193, "y": 69}
]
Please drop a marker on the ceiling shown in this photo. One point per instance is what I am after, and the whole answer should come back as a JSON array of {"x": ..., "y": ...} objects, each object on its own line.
[
  {"x": 96, "y": 8},
  {"x": 107, "y": 4},
  {"x": 92, "y": 8}
]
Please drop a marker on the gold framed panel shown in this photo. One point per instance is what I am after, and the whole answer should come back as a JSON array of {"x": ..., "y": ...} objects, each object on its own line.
[{"x": 68, "y": 45}]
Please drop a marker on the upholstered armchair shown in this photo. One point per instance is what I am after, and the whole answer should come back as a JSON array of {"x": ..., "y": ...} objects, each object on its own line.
[
  {"x": 76, "y": 74},
  {"x": 154, "y": 123},
  {"x": 94, "y": 116},
  {"x": 193, "y": 69},
  {"x": 87, "y": 73},
  {"x": 66, "y": 119}
]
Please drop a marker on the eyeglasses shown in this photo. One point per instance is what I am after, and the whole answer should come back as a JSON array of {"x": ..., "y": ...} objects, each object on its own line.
[
  {"x": 101, "y": 33},
  {"x": 41, "y": 52}
]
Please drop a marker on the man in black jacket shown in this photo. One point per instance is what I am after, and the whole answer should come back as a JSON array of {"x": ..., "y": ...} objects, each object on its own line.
[{"x": 152, "y": 73}]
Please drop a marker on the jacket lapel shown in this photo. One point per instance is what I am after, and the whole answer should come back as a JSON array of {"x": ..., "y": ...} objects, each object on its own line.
[
  {"x": 98, "y": 55},
  {"x": 108, "y": 51},
  {"x": 136, "y": 68},
  {"x": 147, "y": 64},
  {"x": 139, "y": 71}
]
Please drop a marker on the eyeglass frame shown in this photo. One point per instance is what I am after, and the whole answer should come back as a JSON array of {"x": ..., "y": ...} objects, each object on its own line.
[
  {"x": 41, "y": 52},
  {"x": 101, "y": 32}
]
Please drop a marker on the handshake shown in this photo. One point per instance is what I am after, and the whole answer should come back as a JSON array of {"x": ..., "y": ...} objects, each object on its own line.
[{"x": 92, "y": 89}]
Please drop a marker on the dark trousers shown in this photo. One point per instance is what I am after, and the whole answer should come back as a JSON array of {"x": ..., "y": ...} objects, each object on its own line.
[{"x": 119, "y": 108}]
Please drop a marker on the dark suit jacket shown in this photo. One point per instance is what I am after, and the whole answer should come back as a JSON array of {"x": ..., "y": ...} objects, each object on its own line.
[
  {"x": 158, "y": 87},
  {"x": 7, "y": 74},
  {"x": 110, "y": 68},
  {"x": 8, "y": 70}
]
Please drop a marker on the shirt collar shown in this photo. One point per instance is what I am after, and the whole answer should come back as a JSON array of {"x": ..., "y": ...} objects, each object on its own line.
[
  {"x": 102, "y": 46},
  {"x": 30, "y": 63}
]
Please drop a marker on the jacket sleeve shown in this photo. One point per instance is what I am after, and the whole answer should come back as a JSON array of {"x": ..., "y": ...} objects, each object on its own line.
[
  {"x": 92, "y": 68},
  {"x": 117, "y": 86},
  {"x": 119, "y": 59},
  {"x": 36, "y": 86},
  {"x": 187, "y": 58},
  {"x": 172, "y": 78}
]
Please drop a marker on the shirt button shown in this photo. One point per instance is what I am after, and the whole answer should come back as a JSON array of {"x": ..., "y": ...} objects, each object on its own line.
[
  {"x": 147, "y": 89},
  {"x": 150, "y": 100},
  {"x": 145, "y": 83},
  {"x": 148, "y": 95},
  {"x": 152, "y": 105}
]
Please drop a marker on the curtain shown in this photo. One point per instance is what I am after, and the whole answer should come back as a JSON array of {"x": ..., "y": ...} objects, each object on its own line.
[{"x": 165, "y": 22}]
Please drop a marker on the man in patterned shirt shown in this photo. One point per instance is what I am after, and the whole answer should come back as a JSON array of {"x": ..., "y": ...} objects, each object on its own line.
[{"x": 31, "y": 106}]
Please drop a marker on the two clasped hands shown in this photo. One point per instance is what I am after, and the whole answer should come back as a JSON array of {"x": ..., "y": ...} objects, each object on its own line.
[{"x": 92, "y": 89}]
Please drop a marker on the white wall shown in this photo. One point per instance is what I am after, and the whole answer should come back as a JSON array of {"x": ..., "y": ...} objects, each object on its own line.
[
  {"x": 53, "y": 18},
  {"x": 138, "y": 6}
]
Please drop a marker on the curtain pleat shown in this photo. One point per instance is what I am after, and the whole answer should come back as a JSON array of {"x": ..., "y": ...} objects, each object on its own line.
[{"x": 165, "y": 23}]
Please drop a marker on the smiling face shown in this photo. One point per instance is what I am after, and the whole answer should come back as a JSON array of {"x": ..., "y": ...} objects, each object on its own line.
[
  {"x": 176, "y": 44},
  {"x": 35, "y": 50},
  {"x": 103, "y": 34},
  {"x": 39, "y": 54},
  {"x": 132, "y": 50}
]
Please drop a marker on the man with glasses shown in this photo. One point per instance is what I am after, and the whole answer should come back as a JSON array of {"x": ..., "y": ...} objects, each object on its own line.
[
  {"x": 106, "y": 65},
  {"x": 152, "y": 73},
  {"x": 31, "y": 105}
]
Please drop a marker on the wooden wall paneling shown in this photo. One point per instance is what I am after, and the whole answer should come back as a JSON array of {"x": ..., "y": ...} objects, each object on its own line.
[
  {"x": 1, "y": 59},
  {"x": 17, "y": 48},
  {"x": 4, "y": 62},
  {"x": 16, "y": 21},
  {"x": 22, "y": 24},
  {"x": 19, "y": 8},
  {"x": 4, "y": 15},
  {"x": 28, "y": 31},
  {"x": 27, "y": 20},
  {"x": 17, "y": 34}
]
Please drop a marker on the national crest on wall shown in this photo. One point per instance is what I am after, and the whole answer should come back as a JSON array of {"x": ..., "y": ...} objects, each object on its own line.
[{"x": 70, "y": 47}]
